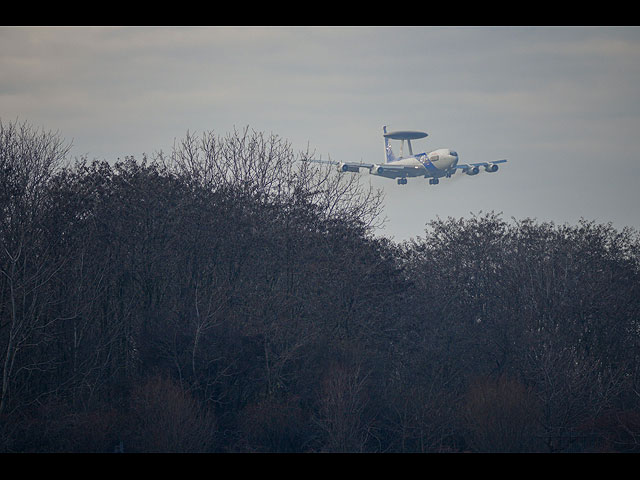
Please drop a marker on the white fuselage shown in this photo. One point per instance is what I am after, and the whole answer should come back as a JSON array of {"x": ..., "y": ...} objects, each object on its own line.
[{"x": 435, "y": 164}]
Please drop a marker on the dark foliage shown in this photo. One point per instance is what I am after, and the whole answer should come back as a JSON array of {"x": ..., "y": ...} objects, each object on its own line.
[{"x": 220, "y": 300}]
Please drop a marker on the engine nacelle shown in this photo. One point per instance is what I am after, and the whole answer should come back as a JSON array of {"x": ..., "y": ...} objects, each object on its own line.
[
  {"x": 347, "y": 168},
  {"x": 378, "y": 170},
  {"x": 472, "y": 171},
  {"x": 492, "y": 167}
]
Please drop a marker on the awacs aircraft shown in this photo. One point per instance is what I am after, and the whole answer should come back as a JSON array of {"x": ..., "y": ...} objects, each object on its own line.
[{"x": 433, "y": 165}]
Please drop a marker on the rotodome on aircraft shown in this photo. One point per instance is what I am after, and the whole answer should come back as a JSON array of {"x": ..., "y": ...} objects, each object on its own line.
[{"x": 434, "y": 165}]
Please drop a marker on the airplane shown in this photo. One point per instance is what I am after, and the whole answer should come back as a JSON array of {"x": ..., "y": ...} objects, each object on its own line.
[{"x": 434, "y": 165}]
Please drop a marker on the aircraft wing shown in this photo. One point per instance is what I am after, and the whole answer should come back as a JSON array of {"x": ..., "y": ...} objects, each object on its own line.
[
  {"x": 398, "y": 168},
  {"x": 465, "y": 166},
  {"x": 382, "y": 169},
  {"x": 346, "y": 166},
  {"x": 474, "y": 168}
]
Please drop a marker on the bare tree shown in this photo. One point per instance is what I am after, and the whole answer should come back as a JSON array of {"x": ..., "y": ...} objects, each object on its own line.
[
  {"x": 166, "y": 419},
  {"x": 502, "y": 415},
  {"x": 266, "y": 167},
  {"x": 342, "y": 414},
  {"x": 28, "y": 159}
]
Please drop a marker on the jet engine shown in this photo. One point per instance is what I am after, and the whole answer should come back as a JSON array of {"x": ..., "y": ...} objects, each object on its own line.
[
  {"x": 347, "y": 168},
  {"x": 377, "y": 170},
  {"x": 472, "y": 171},
  {"x": 492, "y": 167}
]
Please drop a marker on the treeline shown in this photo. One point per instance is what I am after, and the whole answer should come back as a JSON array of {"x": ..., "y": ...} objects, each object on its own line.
[{"x": 227, "y": 297}]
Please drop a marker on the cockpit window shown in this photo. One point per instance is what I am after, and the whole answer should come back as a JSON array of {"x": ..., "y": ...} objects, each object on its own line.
[{"x": 453, "y": 153}]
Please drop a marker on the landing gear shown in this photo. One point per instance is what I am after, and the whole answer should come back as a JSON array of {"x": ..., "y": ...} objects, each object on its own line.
[
  {"x": 402, "y": 181},
  {"x": 434, "y": 181}
]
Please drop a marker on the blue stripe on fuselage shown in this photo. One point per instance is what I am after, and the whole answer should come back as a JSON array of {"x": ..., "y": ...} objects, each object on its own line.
[{"x": 430, "y": 167}]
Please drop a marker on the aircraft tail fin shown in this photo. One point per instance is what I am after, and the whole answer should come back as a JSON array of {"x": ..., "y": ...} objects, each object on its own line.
[{"x": 388, "y": 153}]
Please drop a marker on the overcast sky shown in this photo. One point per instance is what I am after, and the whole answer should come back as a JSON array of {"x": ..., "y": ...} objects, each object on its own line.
[{"x": 562, "y": 104}]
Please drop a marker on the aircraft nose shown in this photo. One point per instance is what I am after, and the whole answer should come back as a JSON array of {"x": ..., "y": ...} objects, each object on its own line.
[{"x": 454, "y": 154}]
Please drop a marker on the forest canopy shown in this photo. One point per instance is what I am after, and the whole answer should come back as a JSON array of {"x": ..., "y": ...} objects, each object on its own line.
[{"x": 228, "y": 296}]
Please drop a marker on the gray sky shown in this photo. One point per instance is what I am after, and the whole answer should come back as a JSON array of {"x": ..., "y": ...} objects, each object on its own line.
[{"x": 562, "y": 104}]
